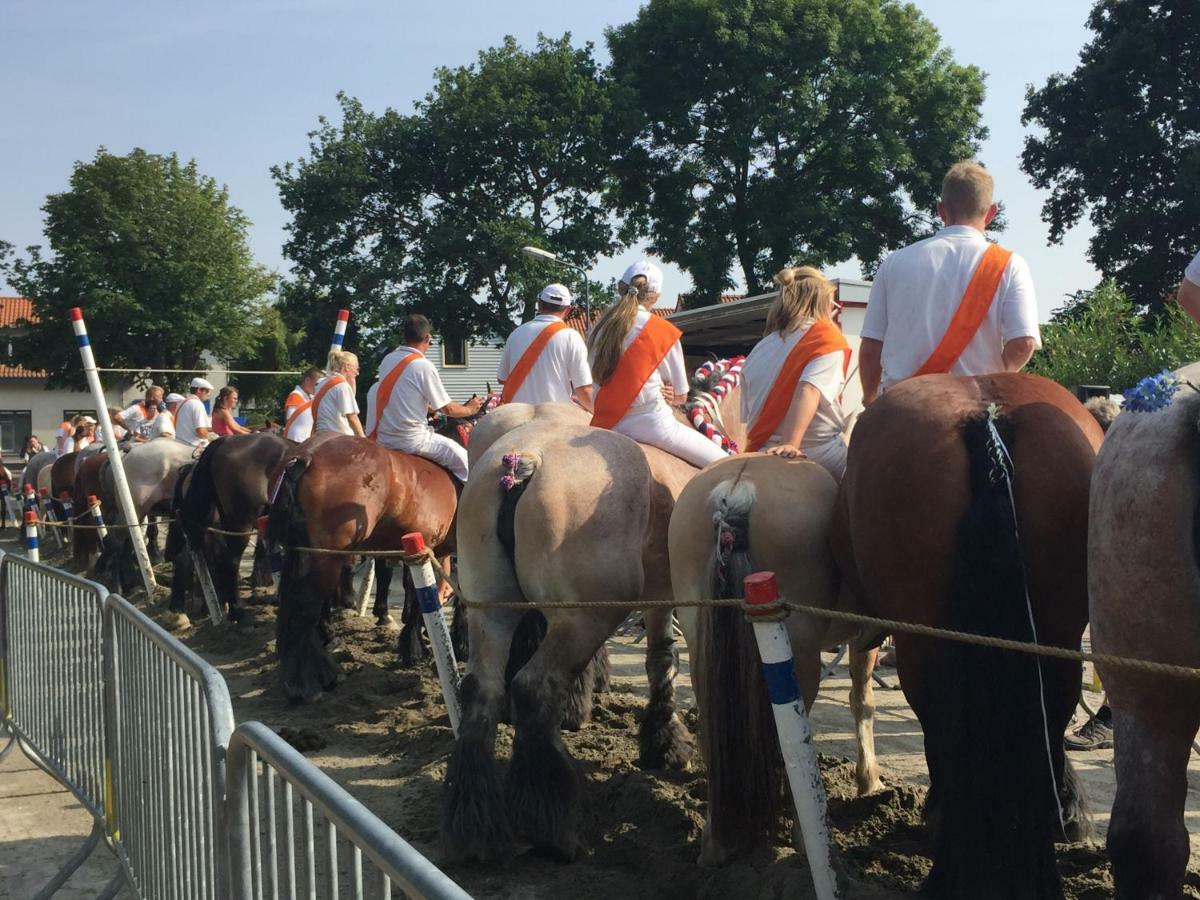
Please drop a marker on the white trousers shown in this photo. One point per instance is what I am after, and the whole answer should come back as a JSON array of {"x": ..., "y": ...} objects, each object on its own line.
[
  {"x": 659, "y": 428},
  {"x": 831, "y": 454},
  {"x": 433, "y": 447}
]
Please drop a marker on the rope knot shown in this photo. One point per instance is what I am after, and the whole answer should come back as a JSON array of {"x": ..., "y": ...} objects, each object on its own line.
[{"x": 773, "y": 611}]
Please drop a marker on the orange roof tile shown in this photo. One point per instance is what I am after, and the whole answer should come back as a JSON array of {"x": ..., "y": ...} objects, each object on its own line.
[
  {"x": 20, "y": 372},
  {"x": 14, "y": 309}
]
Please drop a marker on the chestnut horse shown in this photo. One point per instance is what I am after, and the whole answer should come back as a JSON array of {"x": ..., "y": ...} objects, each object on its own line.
[
  {"x": 556, "y": 511},
  {"x": 741, "y": 515},
  {"x": 926, "y": 532},
  {"x": 344, "y": 493},
  {"x": 1144, "y": 575}
]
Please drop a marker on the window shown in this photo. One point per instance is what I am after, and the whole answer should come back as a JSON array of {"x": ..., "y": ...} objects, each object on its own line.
[
  {"x": 454, "y": 352},
  {"x": 15, "y": 426},
  {"x": 69, "y": 414}
]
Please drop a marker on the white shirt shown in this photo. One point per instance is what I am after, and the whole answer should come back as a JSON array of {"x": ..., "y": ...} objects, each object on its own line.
[
  {"x": 337, "y": 403},
  {"x": 417, "y": 392},
  {"x": 670, "y": 371},
  {"x": 917, "y": 291},
  {"x": 301, "y": 427},
  {"x": 561, "y": 367},
  {"x": 825, "y": 373},
  {"x": 136, "y": 420},
  {"x": 64, "y": 442},
  {"x": 162, "y": 425},
  {"x": 191, "y": 415},
  {"x": 1192, "y": 272}
]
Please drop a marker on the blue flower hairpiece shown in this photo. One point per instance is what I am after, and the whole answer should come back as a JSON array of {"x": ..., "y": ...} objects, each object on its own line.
[{"x": 1152, "y": 393}]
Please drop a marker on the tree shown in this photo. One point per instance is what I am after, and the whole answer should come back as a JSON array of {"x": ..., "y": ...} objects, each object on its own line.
[
  {"x": 763, "y": 133},
  {"x": 156, "y": 256},
  {"x": 1120, "y": 137},
  {"x": 427, "y": 212},
  {"x": 1102, "y": 337}
]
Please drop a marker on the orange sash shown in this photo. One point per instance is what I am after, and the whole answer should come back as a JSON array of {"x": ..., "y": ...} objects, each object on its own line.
[
  {"x": 384, "y": 394},
  {"x": 634, "y": 369},
  {"x": 333, "y": 381},
  {"x": 971, "y": 312},
  {"x": 823, "y": 337},
  {"x": 524, "y": 365},
  {"x": 300, "y": 405}
]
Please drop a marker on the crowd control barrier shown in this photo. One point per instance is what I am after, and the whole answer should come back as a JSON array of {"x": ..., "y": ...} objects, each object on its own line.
[{"x": 295, "y": 833}]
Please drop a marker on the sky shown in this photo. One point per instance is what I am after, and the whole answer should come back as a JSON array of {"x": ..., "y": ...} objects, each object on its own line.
[{"x": 238, "y": 84}]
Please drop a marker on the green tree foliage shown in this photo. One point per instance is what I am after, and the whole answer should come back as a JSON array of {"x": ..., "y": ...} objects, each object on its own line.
[
  {"x": 771, "y": 132},
  {"x": 427, "y": 212},
  {"x": 157, "y": 258},
  {"x": 1103, "y": 338},
  {"x": 1120, "y": 136}
]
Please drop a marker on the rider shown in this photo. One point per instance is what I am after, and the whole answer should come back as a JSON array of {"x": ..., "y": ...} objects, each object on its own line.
[
  {"x": 407, "y": 389},
  {"x": 192, "y": 423},
  {"x": 637, "y": 363},
  {"x": 953, "y": 302},
  {"x": 545, "y": 360},
  {"x": 137, "y": 418},
  {"x": 64, "y": 436},
  {"x": 297, "y": 408},
  {"x": 792, "y": 380},
  {"x": 334, "y": 407},
  {"x": 164, "y": 423}
]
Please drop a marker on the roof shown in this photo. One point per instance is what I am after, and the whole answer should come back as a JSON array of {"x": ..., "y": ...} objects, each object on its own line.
[
  {"x": 20, "y": 372},
  {"x": 14, "y": 309}
]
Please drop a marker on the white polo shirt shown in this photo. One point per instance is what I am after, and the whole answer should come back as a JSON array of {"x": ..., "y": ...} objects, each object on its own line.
[
  {"x": 162, "y": 425},
  {"x": 417, "y": 392},
  {"x": 917, "y": 291},
  {"x": 1192, "y": 273},
  {"x": 337, "y": 403},
  {"x": 561, "y": 367},
  {"x": 137, "y": 421},
  {"x": 300, "y": 427},
  {"x": 825, "y": 373},
  {"x": 671, "y": 370},
  {"x": 191, "y": 415}
]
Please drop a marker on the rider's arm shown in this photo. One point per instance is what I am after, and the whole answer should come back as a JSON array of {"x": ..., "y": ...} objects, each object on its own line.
[
  {"x": 1017, "y": 352},
  {"x": 800, "y": 415},
  {"x": 674, "y": 372},
  {"x": 461, "y": 410},
  {"x": 870, "y": 368},
  {"x": 355, "y": 424},
  {"x": 583, "y": 396}
]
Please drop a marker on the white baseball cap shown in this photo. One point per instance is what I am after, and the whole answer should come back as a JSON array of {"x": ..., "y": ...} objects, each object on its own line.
[
  {"x": 90, "y": 421},
  {"x": 654, "y": 275},
  {"x": 555, "y": 295},
  {"x": 201, "y": 384},
  {"x": 173, "y": 398}
]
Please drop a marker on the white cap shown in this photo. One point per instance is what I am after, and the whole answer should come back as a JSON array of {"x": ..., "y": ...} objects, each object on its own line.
[
  {"x": 654, "y": 275},
  {"x": 88, "y": 420},
  {"x": 173, "y": 398},
  {"x": 201, "y": 384},
  {"x": 555, "y": 295}
]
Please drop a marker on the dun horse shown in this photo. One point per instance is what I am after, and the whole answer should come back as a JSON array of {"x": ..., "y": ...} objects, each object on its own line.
[{"x": 927, "y": 532}]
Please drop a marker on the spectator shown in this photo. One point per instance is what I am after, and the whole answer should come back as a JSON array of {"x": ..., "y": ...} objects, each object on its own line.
[
  {"x": 223, "y": 422},
  {"x": 32, "y": 447}
]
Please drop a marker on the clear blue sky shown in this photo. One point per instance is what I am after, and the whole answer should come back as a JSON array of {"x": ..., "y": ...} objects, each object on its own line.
[{"x": 237, "y": 86}]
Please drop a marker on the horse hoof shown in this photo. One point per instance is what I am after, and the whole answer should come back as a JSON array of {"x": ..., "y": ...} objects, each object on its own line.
[
  {"x": 387, "y": 623},
  {"x": 668, "y": 746},
  {"x": 174, "y": 621}
]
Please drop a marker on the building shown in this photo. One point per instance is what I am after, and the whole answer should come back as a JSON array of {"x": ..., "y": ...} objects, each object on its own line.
[{"x": 466, "y": 367}]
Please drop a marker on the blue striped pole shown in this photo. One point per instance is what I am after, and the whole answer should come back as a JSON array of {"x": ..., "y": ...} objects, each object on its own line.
[
  {"x": 31, "y": 538},
  {"x": 273, "y": 553},
  {"x": 94, "y": 506},
  {"x": 795, "y": 734},
  {"x": 339, "y": 329},
  {"x": 435, "y": 623},
  {"x": 115, "y": 461}
]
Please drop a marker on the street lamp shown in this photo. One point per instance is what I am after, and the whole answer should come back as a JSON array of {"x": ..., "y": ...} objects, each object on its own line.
[{"x": 547, "y": 256}]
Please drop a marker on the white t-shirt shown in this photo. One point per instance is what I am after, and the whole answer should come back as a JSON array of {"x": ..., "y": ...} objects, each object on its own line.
[
  {"x": 1192, "y": 273},
  {"x": 825, "y": 373},
  {"x": 670, "y": 371},
  {"x": 917, "y": 291},
  {"x": 337, "y": 403},
  {"x": 561, "y": 367},
  {"x": 417, "y": 392},
  {"x": 136, "y": 420},
  {"x": 191, "y": 415},
  {"x": 162, "y": 425},
  {"x": 64, "y": 442},
  {"x": 299, "y": 428}
]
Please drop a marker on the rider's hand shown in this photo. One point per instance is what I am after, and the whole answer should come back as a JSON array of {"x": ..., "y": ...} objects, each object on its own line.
[
  {"x": 474, "y": 404},
  {"x": 787, "y": 451}
]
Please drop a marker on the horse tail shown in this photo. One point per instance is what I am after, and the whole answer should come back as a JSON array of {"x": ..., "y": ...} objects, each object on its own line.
[
  {"x": 999, "y": 810},
  {"x": 737, "y": 730},
  {"x": 532, "y": 627},
  {"x": 195, "y": 505},
  {"x": 175, "y": 541},
  {"x": 286, "y": 525}
]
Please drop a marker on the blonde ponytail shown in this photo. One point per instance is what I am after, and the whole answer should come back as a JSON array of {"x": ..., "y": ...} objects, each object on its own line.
[
  {"x": 605, "y": 340},
  {"x": 804, "y": 293}
]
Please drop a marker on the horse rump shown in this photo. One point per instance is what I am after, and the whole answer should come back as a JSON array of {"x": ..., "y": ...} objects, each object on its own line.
[{"x": 996, "y": 798}]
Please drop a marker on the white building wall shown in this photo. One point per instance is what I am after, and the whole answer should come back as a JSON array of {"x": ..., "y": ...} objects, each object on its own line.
[
  {"x": 46, "y": 406},
  {"x": 483, "y": 361}
]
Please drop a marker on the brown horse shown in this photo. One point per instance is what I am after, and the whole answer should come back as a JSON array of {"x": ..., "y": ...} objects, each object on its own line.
[
  {"x": 745, "y": 514},
  {"x": 926, "y": 532},
  {"x": 344, "y": 493},
  {"x": 585, "y": 519},
  {"x": 1144, "y": 576}
]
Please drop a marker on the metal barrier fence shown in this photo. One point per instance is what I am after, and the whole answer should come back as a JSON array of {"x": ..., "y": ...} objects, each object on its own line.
[
  {"x": 169, "y": 723},
  {"x": 284, "y": 845}
]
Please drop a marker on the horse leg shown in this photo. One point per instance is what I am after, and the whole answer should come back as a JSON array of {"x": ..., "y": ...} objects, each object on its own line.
[
  {"x": 383, "y": 584},
  {"x": 662, "y": 738},
  {"x": 260, "y": 573},
  {"x": 306, "y": 667},
  {"x": 862, "y": 704},
  {"x": 227, "y": 573},
  {"x": 1147, "y": 838},
  {"x": 458, "y": 634},
  {"x": 412, "y": 648},
  {"x": 474, "y": 822},
  {"x": 181, "y": 581},
  {"x": 542, "y": 789},
  {"x": 152, "y": 540}
]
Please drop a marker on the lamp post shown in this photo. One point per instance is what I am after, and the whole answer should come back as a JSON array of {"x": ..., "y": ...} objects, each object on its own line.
[{"x": 547, "y": 256}]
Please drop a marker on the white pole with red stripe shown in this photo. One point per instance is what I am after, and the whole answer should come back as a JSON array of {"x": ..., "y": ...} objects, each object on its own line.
[
  {"x": 339, "y": 329},
  {"x": 115, "y": 462}
]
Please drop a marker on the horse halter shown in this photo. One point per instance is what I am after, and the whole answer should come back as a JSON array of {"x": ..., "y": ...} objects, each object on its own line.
[{"x": 704, "y": 408}]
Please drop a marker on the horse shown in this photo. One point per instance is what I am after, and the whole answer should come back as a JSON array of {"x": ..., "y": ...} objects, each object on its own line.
[
  {"x": 228, "y": 488},
  {"x": 556, "y": 511},
  {"x": 33, "y": 468},
  {"x": 1144, "y": 581},
  {"x": 926, "y": 531},
  {"x": 740, "y": 515}
]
